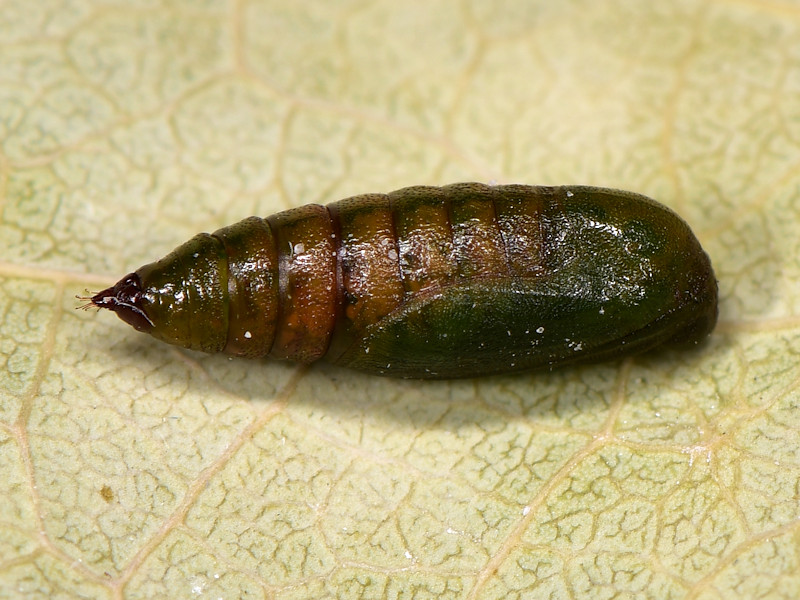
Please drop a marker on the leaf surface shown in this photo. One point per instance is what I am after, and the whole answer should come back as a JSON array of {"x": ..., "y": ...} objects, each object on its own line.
[{"x": 131, "y": 469}]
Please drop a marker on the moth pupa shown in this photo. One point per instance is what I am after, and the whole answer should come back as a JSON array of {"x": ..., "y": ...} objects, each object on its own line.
[{"x": 434, "y": 282}]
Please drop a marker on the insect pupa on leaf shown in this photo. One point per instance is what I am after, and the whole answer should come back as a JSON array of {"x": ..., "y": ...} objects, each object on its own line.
[{"x": 434, "y": 282}]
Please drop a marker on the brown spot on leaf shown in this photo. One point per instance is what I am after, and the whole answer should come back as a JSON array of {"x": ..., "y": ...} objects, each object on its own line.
[{"x": 107, "y": 493}]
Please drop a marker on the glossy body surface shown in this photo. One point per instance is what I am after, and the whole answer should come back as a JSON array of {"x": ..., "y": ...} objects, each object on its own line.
[{"x": 435, "y": 282}]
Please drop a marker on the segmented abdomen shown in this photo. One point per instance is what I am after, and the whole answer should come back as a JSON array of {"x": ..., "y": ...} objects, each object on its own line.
[{"x": 319, "y": 275}]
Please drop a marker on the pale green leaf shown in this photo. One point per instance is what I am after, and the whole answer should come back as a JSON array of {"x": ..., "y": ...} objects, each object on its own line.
[{"x": 130, "y": 469}]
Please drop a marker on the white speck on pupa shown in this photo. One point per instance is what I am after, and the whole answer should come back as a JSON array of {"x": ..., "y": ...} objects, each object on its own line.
[
  {"x": 248, "y": 335},
  {"x": 540, "y": 329}
]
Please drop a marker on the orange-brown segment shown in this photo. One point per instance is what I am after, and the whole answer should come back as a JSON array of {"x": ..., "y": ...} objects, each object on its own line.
[
  {"x": 424, "y": 240},
  {"x": 306, "y": 247},
  {"x": 371, "y": 282}
]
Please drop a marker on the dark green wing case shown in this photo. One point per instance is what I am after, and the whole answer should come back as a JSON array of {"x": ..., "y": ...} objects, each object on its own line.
[{"x": 427, "y": 282}]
